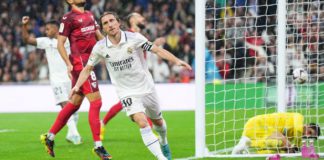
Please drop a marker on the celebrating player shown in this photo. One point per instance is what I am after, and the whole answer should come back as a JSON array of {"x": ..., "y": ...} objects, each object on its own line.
[
  {"x": 123, "y": 54},
  {"x": 136, "y": 23},
  {"x": 60, "y": 82},
  {"x": 277, "y": 131},
  {"x": 81, "y": 29}
]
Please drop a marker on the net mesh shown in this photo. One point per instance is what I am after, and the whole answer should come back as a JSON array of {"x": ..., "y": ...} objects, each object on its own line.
[{"x": 241, "y": 57}]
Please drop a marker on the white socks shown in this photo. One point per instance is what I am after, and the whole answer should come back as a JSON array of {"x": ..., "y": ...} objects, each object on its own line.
[
  {"x": 72, "y": 125},
  {"x": 51, "y": 136},
  {"x": 162, "y": 131},
  {"x": 151, "y": 142},
  {"x": 97, "y": 144},
  {"x": 161, "y": 157},
  {"x": 242, "y": 145}
]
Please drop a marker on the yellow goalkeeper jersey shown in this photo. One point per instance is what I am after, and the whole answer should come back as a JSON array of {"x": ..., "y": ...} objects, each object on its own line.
[{"x": 262, "y": 126}]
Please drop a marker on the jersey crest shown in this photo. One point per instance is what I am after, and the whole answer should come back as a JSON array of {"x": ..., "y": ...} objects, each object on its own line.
[{"x": 129, "y": 50}]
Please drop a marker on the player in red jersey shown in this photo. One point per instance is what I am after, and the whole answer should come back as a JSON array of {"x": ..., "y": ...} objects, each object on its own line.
[
  {"x": 136, "y": 23},
  {"x": 59, "y": 79},
  {"x": 80, "y": 27}
]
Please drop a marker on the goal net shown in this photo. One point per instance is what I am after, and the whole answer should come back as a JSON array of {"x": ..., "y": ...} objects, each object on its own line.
[{"x": 243, "y": 73}]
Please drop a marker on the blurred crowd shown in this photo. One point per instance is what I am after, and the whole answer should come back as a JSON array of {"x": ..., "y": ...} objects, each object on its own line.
[
  {"x": 173, "y": 20},
  {"x": 242, "y": 39}
]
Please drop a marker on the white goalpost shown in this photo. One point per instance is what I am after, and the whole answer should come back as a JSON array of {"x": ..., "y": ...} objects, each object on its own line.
[
  {"x": 246, "y": 51},
  {"x": 281, "y": 58},
  {"x": 200, "y": 78}
]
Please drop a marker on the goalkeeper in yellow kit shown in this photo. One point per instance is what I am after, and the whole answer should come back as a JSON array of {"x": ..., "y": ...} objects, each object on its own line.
[{"x": 276, "y": 132}]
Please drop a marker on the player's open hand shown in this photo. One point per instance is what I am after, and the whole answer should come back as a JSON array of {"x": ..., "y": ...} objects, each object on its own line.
[
  {"x": 184, "y": 64},
  {"x": 74, "y": 90},
  {"x": 25, "y": 20}
]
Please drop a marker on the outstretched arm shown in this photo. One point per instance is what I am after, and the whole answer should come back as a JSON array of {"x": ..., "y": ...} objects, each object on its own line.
[
  {"x": 169, "y": 56},
  {"x": 82, "y": 78},
  {"x": 25, "y": 35},
  {"x": 159, "y": 41}
]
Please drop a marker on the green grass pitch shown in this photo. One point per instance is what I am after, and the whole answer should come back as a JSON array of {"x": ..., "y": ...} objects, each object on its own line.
[{"x": 122, "y": 138}]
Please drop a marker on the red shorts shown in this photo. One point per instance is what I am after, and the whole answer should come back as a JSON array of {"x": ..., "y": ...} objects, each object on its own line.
[{"x": 89, "y": 86}]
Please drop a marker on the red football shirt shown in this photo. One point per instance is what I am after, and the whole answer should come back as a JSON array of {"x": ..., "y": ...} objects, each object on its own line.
[{"x": 80, "y": 29}]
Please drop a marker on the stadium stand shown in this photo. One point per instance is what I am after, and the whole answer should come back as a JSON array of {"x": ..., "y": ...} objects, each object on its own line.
[
  {"x": 242, "y": 38},
  {"x": 171, "y": 19}
]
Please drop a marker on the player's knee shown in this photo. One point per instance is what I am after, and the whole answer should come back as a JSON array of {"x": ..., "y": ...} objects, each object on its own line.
[
  {"x": 62, "y": 104},
  {"x": 93, "y": 96},
  {"x": 158, "y": 122},
  {"x": 143, "y": 124},
  {"x": 76, "y": 99},
  {"x": 140, "y": 120},
  {"x": 96, "y": 104},
  {"x": 160, "y": 129},
  {"x": 71, "y": 106}
]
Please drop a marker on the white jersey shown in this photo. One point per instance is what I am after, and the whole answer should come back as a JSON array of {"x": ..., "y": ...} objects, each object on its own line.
[
  {"x": 126, "y": 64},
  {"x": 57, "y": 67}
]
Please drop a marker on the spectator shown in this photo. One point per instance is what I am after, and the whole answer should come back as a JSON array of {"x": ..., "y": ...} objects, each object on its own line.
[
  {"x": 247, "y": 55},
  {"x": 243, "y": 34},
  {"x": 187, "y": 55},
  {"x": 97, "y": 7},
  {"x": 173, "y": 40},
  {"x": 223, "y": 63},
  {"x": 169, "y": 18},
  {"x": 211, "y": 70},
  {"x": 161, "y": 71}
]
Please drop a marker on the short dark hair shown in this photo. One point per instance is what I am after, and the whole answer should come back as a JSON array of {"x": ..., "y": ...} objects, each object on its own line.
[
  {"x": 106, "y": 13},
  {"x": 53, "y": 22},
  {"x": 316, "y": 128}
]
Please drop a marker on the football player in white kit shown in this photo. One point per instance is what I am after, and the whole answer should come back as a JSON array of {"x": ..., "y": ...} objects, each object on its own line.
[
  {"x": 59, "y": 79},
  {"x": 123, "y": 55},
  {"x": 122, "y": 52}
]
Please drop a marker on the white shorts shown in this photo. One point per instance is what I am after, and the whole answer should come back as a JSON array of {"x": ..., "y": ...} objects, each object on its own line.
[
  {"x": 148, "y": 104},
  {"x": 61, "y": 91}
]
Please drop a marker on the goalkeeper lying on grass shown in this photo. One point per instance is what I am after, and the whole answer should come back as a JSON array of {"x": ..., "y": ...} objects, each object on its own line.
[{"x": 276, "y": 132}]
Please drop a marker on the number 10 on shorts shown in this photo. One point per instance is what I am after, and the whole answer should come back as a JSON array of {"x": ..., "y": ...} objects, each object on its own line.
[{"x": 127, "y": 102}]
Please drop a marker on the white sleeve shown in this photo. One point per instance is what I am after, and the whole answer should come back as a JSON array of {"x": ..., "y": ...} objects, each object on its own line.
[
  {"x": 42, "y": 43},
  {"x": 95, "y": 56},
  {"x": 143, "y": 43}
]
